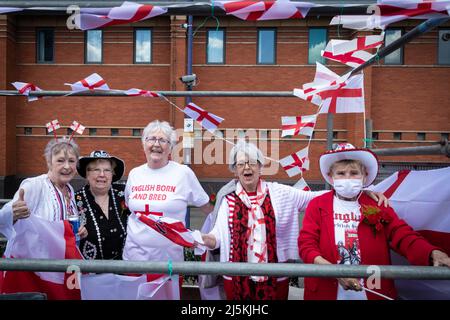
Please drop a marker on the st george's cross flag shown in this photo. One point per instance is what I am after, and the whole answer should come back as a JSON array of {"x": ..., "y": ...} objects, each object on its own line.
[
  {"x": 292, "y": 126},
  {"x": 128, "y": 12},
  {"x": 77, "y": 127},
  {"x": 296, "y": 163},
  {"x": 208, "y": 120},
  {"x": 422, "y": 199},
  {"x": 266, "y": 10},
  {"x": 92, "y": 82},
  {"x": 37, "y": 238},
  {"x": 52, "y": 126},
  {"x": 302, "y": 185},
  {"x": 25, "y": 89},
  {"x": 140, "y": 92},
  {"x": 389, "y": 11}
]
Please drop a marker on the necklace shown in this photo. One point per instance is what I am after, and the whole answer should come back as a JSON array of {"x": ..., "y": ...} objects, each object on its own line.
[{"x": 97, "y": 229}]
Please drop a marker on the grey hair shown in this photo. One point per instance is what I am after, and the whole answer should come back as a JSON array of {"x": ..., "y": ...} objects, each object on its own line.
[
  {"x": 55, "y": 146},
  {"x": 249, "y": 149},
  {"x": 163, "y": 126}
]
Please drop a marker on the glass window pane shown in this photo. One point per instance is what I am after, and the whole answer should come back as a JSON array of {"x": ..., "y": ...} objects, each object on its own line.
[
  {"x": 215, "y": 49},
  {"x": 317, "y": 41},
  {"x": 395, "y": 57},
  {"x": 143, "y": 43},
  {"x": 45, "y": 45},
  {"x": 94, "y": 46},
  {"x": 266, "y": 46},
  {"x": 444, "y": 46}
]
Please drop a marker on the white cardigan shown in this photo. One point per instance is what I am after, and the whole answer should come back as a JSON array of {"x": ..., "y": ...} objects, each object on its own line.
[{"x": 287, "y": 201}]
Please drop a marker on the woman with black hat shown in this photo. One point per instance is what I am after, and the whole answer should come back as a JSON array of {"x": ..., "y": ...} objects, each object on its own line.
[{"x": 102, "y": 206}]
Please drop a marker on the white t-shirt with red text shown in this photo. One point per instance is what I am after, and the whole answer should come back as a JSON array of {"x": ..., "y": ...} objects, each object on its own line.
[
  {"x": 347, "y": 215},
  {"x": 166, "y": 191}
]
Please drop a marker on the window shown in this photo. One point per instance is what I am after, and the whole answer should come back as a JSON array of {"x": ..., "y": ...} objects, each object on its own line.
[
  {"x": 421, "y": 136},
  {"x": 444, "y": 136},
  {"x": 114, "y": 132},
  {"x": 28, "y": 131},
  {"x": 335, "y": 135},
  {"x": 395, "y": 57},
  {"x": 215, "y": 47},
  {"x": 92, "y": 131},
  {"x": 374, "y": 135},
  {"x": 317, "y": 39},
  {"x": 69, "y": 131},
  {"x": 397, "y": 136},
  {"x": 142, "y": 46},
  {"x": 93, "y": 48},
  {"x": 136, "y": 132},
  {"x": 444, "y": 46},
  {"x": 266, "y": 46},
  {"x": 45, "y": 45}
]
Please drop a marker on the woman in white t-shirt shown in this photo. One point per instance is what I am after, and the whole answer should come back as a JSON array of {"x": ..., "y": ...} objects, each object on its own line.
[{"x": 160, "y": 188}]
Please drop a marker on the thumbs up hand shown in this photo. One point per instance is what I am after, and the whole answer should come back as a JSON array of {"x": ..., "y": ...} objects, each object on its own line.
[{"x": 19, "y": 207}]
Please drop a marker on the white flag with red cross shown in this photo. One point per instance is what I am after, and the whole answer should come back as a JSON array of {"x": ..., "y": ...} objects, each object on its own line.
[
  {"x": 77, "y": 127},
  {"x": 139, "y": 92},
  {"x": 353, "y": 59},
  {"x": 296, "y": 163},
  {"x": 128, "y": 12},
  {"x": 292, "y": 126},
  {"x": 359, "y": 43},
  {"x": 302, "y": 185},
  {"x": 92, "y": 82},
  {"x": 52, "y": 126},
  {"x": 25, "y": 89},
  {"x": 390, "y": 11},
  {"x": 266, "y": 10},
  {"x": 208, "y": 120}
]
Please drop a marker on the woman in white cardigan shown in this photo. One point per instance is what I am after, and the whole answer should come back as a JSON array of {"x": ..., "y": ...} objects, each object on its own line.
[{"x": 257, "y": 222}]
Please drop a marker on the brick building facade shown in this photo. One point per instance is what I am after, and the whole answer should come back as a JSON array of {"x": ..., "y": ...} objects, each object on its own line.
[{"x": 408, "y": 102}]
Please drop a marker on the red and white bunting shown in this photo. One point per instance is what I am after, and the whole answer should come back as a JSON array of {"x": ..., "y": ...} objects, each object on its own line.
[
  {"x": 296, "y": 163},
  {"x": 302, "y": 185},
  {"x": 77, "y": 127},
  {"x": 353, "y": 59},
  {"x": 390, "y": 11},
  {"x": 52, "y": 125},
  {"x": 266, "y": 10},
  {"x": 292, "y": 126},
  {"x": 357, "y": 44},
  {"x": 128, "y": 12},
  {"x": 208, "y": 120},
  {"x": 25, "y": 89},
  {"x": 139, "y": 92},
  {"x": 172, "y": 229},
  {"x": 348, "y": 97},
  {"x": 93, "y": 82}
]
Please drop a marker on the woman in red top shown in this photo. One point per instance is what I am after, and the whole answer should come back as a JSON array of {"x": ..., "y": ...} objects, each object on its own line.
[{"x": 344, "y": 226}]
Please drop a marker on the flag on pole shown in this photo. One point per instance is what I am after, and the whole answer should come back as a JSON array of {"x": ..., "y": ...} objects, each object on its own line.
[
  {"x": 353, "y": 59},
  {"x": 422, "y": 199},
  {"x": 25, "y": 89},
  {"x": 52, "y": 126},
  {"x": 208, "y": 120},
  {"x": 357, "y": 44},
  {"x": 128, "y": 12},
  {"x": 266, "y": 10},
  {"x": 296, "y": 163},
  {"x": 37, "y": 238},
  {"x": 139, "y": 92},
  {"x": 302, "y": 185},
  {"x": 92, "y": 82},
  {"x": 292, "y": 126}
]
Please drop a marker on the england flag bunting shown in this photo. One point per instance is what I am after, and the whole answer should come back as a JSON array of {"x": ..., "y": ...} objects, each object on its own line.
[
  {"x": 52, "y": 126},
  {"x": 77, "y": 127},
  {"x": 266, "y": 10},
  {"x": 390, "y": 11},
  {"x": 25, "y": 89},
  {"x": 292, "y": 126},
  {"x": 296, "y": 163},
  {"x": 422, "y": 199},
  {"x": 208, "y": 120},
  {"x": 36, "y": 238},
  {"x": 172, "y": 229},
  {"x": 128, "y": 12},
  {"x": 302, "y": 185},
  {"x": 142, "y": 93},
  {"x": 92, "y": 82}
]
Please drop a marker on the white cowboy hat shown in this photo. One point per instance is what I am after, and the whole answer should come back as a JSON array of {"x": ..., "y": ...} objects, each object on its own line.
[{"x": 346, "y": 151}]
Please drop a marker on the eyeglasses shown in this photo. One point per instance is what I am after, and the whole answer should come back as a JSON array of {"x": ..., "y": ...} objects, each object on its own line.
[
  {"x": 99, "y": 171},
  {"x": 152, "y": 140},
  {"x": 251, "y": 164}
]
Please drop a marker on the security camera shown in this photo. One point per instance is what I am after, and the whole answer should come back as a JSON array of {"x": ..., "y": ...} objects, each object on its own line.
[{"x": 189, "y": 80}]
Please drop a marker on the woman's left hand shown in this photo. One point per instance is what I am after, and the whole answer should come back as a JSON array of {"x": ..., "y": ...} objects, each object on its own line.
[
  {"x": 82, "y": 232},
  {"x": 379, "y": 197},
  {"x": 440, "y": 258}
]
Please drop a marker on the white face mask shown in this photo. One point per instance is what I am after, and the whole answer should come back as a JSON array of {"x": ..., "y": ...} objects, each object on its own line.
[{"x": 348, "y": 188}]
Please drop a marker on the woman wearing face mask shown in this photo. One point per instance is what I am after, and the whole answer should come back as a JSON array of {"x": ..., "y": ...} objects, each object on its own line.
[{"x": 344, "y": 226}]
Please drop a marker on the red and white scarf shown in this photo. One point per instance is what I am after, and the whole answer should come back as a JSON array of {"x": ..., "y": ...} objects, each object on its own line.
[{"x": 257, "y": 245}]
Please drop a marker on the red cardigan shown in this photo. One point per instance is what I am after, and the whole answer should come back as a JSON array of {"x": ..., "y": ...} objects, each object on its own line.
[{"x": 317, "y": 238}]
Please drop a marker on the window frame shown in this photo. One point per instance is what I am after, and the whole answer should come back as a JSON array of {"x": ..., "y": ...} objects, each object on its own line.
[
  {"x": 224, "y": 45},
  {"x": 439, "y": 41},
  {"x": 402, "y": 51},
  {"x": 324, "y": 61},
  {"x": 86, "y": 46},
  {"x": 38, "y": 42},
  {"x": 274, "y": 46},
  {"x": 134, "y": 45}
]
